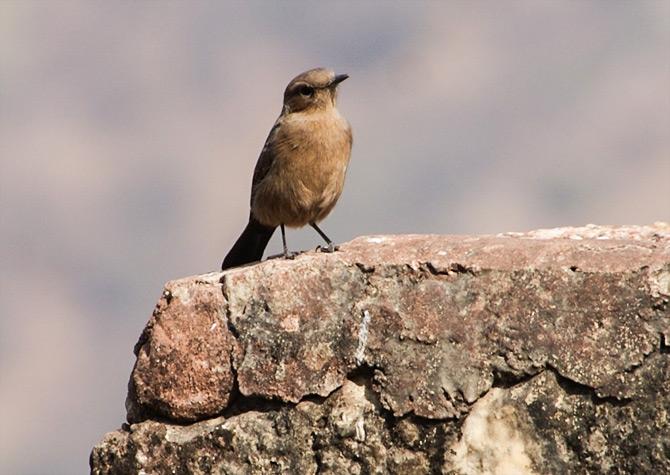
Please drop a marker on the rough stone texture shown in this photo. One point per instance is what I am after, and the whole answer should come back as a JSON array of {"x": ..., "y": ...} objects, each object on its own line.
[
  {"x": 543, "y": 352},
  {"x": 184, "y": 357}
]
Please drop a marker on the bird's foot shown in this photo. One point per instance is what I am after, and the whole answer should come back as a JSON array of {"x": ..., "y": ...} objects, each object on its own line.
[
  {"x": 288, "y": 255},
  {"x": 285, "y": 255},
  {"x": 328, "y": 249},
  {"x": 291, "y": 255}
]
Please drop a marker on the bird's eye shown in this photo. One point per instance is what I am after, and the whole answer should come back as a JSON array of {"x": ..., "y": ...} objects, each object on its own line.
[{"x": 307, "y": 91}]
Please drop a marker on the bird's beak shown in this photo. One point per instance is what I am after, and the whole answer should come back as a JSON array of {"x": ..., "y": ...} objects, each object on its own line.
[{"x": 338, "y": 79}]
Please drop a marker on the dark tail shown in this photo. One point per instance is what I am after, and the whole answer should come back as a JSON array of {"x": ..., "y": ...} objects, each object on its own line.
[{"x": 249, "y": 246}]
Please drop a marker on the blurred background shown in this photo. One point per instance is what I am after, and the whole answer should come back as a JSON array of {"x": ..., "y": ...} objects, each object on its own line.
[{"x": 129, "y": 132}]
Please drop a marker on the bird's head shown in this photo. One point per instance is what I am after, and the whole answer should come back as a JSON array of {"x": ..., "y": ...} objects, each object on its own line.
[{"x": 312, "y": 90}]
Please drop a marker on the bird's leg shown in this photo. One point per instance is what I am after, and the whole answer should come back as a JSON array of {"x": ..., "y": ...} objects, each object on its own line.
[
  {"x": 287, "y": 255},
  {"x": 283, "y": 240},
  {"x": 331, "y": 247}
]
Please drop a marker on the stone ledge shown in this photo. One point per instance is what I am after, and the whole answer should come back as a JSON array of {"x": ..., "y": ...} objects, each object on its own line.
[{"x": 436, "y": 329}]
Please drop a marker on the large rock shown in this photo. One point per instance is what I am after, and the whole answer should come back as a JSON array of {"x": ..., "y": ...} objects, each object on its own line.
[{"x": 518, "y": 353}]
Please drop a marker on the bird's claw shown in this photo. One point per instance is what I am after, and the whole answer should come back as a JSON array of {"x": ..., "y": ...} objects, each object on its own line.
[
  {"x": 291, "y": 255},
  {"x": 330, "y": 248}
]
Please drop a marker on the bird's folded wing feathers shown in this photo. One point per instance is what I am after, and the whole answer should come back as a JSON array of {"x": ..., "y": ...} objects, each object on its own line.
[{"x": 266, "y": 158}]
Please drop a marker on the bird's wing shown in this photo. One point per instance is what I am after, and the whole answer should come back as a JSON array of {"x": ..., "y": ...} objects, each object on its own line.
[{"x": 266, "y": 158}]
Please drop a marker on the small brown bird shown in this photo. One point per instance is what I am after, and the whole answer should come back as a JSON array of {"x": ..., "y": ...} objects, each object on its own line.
[{"x": 300, "y": 173}]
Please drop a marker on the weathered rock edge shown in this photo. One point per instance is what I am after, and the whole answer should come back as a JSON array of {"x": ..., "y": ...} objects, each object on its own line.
[{"x": 434, "y": 328}]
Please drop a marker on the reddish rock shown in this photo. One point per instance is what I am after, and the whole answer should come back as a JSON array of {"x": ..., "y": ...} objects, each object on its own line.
[{"x": 184, "y": 357}]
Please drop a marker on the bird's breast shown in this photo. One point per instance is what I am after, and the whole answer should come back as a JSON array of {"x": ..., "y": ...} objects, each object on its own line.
[{"x": 307, "y": 175}]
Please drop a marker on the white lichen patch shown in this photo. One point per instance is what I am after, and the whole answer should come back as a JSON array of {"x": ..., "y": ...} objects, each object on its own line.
[
  {"x": 494, "y": 440},
  {"x": 348, "y": 415},
  {"x": 141, "y": 458},
  {"x": 362, "y": 337},
  {"x": 660, "y": 283},
  {"x": 181, "y": 293},
  {"x": 184, "y": 434},
  {"x": 376, "y": 240}
]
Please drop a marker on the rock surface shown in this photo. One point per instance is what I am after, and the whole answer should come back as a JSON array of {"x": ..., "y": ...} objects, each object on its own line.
[{"x": 544, "y": 352}]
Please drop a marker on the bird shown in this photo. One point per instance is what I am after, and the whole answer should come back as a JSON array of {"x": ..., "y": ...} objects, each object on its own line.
[{"x": 300, "y": 173}]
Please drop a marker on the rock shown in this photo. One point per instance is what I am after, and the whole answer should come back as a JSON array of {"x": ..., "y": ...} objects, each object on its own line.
[
  {"x": 184, "y": 357},
  {"x": 517, "y": 353}
]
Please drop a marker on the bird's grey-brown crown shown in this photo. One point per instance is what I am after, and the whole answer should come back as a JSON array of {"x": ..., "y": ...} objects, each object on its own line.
[{"x": 313, "y": 89}]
